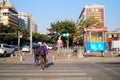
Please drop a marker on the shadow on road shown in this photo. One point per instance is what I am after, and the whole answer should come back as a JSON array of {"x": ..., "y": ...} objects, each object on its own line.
[{"x": 49, "y": 64}]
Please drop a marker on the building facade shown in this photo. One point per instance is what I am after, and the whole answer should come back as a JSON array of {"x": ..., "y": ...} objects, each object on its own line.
[
  {"x": 35, "y": 28},
  {"x": 28, "y": 21},
  {"x": 8, "y": 14},
  {"x": 10, "y": 17},
  {"x": 95, "y": 11},
  {"x": 21, "y": 23},
  {"x": 25, "y": 17}
]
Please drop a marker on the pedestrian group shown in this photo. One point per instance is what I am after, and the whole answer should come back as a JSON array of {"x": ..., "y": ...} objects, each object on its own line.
[{"x": 40, "y": 53}]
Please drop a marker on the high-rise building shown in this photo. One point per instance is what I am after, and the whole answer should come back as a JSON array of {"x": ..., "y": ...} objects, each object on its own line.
[
  {"x": 10, "y": 17},
  {"x": 95, "y": 11},
  {"x": 8, "y": 14},
  {"x": 28, "y": 20},
  {"x": 21, "y": 23},
  {"x": 35, "y": 28},
  {"x": 25, "y": 16}
]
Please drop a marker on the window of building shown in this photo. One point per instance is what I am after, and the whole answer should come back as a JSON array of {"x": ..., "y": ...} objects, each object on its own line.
[{"x": 5, "y": 14}]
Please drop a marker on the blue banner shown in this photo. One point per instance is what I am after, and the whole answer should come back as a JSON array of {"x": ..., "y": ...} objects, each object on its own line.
[{"x": 96, "y": 46}]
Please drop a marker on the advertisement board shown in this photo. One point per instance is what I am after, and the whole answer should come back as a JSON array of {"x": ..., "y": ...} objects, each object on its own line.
[{"x": 96, "y": 46}]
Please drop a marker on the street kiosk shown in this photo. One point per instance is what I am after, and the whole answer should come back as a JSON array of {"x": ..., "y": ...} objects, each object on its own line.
[{"x": 95, "y": 39}]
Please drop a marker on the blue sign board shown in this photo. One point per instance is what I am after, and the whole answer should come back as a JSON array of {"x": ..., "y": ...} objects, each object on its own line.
[{"x": 96, "y": 46}]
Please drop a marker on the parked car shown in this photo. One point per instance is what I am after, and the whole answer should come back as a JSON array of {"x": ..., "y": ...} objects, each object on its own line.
[
  {"x": 2, "y": 52},
  {"x": 15, "y": 47},
  {"x": 5, "y": 49},
  {"x": 26, "y": 49}
]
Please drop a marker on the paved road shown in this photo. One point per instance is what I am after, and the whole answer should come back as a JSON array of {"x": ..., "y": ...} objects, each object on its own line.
[
  {"x": 90, "y": 68},
  {"x": 59, "y": 71}
]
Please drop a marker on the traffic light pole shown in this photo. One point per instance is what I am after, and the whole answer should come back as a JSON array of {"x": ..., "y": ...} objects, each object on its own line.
[
  {"x": 18, "y": 41},
  {"x": 68, "y": 42}
]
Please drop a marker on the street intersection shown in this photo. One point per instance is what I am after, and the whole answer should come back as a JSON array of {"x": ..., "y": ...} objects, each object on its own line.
[{"x": 60, "y": 68}]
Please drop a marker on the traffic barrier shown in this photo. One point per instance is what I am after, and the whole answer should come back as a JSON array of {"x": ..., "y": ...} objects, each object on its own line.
[
  {"x": 16, "y": 55},
  {"x": 21, "y": 57},
  {"x": 11, "y": 55},
  {"x": 80, "y": 55},
  {"x": 53, "y": 58},
  {"x": 68, "y": 56}
]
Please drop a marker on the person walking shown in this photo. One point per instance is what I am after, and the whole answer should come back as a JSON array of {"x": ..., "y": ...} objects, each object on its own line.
[
  {"x": 43, "y": 54},
  {"x": 36, "y": 54}
]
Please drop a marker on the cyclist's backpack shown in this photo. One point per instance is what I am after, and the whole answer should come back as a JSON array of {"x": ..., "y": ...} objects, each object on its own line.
[{"x": 42, "y": 51}]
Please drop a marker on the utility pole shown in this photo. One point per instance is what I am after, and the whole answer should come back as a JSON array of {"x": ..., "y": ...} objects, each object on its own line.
[
  {"x": 30, "y": 35},
  {"x": 18, "y": 41}
]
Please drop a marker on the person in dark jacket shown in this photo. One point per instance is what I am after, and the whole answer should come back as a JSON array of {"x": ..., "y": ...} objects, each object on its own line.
[
  {"x": 36, "y": 54},
  {"x": 43, "y": 55}
]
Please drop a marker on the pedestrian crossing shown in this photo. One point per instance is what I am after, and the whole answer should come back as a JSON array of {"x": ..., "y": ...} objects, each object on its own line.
[{"x": 54, "y": 71}]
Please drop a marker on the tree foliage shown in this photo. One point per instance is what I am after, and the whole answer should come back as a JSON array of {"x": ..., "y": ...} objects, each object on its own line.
[
  {"x": 62, "y": 27},
  {"x": 90, "y": 22},
  {"x": 9, "y": 34},
  {"x": 40, "y": 37}
]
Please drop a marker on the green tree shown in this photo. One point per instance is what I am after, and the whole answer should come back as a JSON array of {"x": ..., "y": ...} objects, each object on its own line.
[
  {"x": 62, "y": 27},
  {"x": 90, "y": 22},
  {"x": 10, "y": 34}
]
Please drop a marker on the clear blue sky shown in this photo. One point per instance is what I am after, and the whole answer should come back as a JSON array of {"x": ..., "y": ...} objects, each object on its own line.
[{"x": 48, "y": 11}]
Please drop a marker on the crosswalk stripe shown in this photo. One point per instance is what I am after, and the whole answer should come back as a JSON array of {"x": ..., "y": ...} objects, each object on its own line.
[
  {"x": 39, "y": 70},
  {"x": 53, "y": 72},
  {"x": 76, "y": 78},
  {"x": 38, "y": 74}
]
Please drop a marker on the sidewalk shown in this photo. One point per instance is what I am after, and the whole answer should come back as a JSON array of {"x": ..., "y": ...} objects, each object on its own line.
[
  {"x": 65, "y": 58},
  {"x": 52, "y": 57}
]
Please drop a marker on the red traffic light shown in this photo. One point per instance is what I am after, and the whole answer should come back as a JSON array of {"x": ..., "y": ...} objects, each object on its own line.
[{"x": 21, "y": 33}]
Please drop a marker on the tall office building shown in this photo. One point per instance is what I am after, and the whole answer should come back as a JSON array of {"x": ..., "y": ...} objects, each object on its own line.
[
  {"x": 95, "y": 11},
  {"x": 25, "y": 16},
  {"x": 28, "y": 20},
  {"x": 8, "y": 14},
  {"x": 35, "y": 28}
]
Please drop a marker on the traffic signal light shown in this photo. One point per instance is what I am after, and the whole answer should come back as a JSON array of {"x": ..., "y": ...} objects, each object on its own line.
[
  {"x": 65, "y": 34},
  {"x": 52, "y": 32},
  {"x": 20, "y": 34}
]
